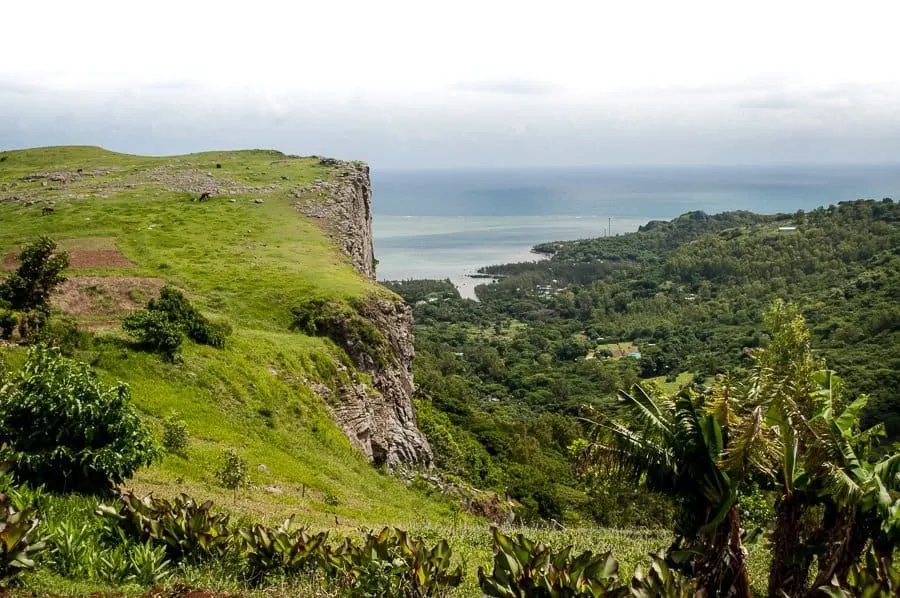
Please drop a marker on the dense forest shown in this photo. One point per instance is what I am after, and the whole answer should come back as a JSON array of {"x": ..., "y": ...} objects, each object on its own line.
[{"x": 505, "y": 381}]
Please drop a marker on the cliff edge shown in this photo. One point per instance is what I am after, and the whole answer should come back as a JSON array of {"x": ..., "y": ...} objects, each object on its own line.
[{"x": 379, "y": 421}]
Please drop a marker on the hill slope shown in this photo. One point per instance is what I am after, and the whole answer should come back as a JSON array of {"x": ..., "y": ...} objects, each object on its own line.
[{"x": 247, "y": 255}]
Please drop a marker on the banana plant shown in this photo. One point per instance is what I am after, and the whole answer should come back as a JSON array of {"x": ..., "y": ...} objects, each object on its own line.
[{"x": 675, "y": 445}]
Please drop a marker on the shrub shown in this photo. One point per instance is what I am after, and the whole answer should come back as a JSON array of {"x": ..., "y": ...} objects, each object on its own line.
[
  {"x": 39, "y": 273},
  {"x": 31, "y": 323},
  {"x": 148, "y": 564},
  {"x": 232, "y": 474},
  {"x": 331, "y": 499},
  {"x": 204, "y": 332},
  {"x": 661, "y": 581},
  {"x": 63, "y": 333},
  {"x": 154, "y": 331},
  {"x": 66, "y": 430},
  {"x": 162, "y": 325},
  {"x": 73, "y": 549},
  {"x": 175, "y": 435},
  {"x": 345, "y": 326}
]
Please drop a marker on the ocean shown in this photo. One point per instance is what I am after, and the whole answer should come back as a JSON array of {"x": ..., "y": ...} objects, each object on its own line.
[{"x": 448, "y": 223}]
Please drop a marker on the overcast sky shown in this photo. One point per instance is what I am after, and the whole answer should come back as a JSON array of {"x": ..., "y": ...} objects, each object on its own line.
[{"x": 487, "y": 83}]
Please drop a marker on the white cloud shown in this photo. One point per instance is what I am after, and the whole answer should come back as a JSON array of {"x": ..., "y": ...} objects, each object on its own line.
[{"x": 475, "y": 82}]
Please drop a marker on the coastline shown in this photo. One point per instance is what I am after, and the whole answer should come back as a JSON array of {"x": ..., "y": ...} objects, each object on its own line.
[{"x": 455, "y": 248}]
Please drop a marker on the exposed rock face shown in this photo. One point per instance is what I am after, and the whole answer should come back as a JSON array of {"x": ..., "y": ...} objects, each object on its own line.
[
  {"x": 344, "y": 207},
  {"x": 380, "y": 422}
]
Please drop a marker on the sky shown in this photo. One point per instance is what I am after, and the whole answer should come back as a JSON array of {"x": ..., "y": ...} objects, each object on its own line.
[{"x": 459, "y": 84}]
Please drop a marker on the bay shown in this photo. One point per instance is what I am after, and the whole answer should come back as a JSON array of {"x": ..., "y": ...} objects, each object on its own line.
[{"x": 448, "y": 223}]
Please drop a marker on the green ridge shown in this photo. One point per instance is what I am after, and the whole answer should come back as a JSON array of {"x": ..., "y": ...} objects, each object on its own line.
[{"x": 236, "y": 259}]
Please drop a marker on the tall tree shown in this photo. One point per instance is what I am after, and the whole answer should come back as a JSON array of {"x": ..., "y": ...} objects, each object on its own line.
[{"x": 40, "y": 271}]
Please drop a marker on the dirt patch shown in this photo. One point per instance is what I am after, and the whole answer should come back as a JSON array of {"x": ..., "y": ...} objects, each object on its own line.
[
  {"x": 105, "y": 296},
  {"x": 102, "y": 258},
  {"x": 79, "y": 259},
  {"x": 89, "y": 252}
]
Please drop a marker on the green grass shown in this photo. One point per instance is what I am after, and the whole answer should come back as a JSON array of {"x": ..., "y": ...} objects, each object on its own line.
[
  {"x": 238, "y": 260},
  {"x": 681, "y": 380}
]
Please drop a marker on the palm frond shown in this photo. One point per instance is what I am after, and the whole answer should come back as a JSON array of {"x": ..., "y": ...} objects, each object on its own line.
[
  {"x": 840, "y": 485},
  {"x": 848, "y": 420},
  {"x": 752, "y": 444},
  {"x": 646, "y": 410},
  {"x": 888, "y": 472}
]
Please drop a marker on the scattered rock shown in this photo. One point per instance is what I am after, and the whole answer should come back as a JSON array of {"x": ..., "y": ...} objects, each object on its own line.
[
  {"x": 257, "y": 200},
  {"x": 284, "y": 178},
  {"x": 262, "y": 468},
  {"x": 273, "y": 490}
]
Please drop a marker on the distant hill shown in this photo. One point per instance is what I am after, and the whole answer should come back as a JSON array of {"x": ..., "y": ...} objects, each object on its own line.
[{"x": 248, "y": 236}]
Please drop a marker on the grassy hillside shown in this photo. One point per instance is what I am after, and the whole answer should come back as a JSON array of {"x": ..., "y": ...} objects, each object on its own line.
[{"x": 246, "y": 255}]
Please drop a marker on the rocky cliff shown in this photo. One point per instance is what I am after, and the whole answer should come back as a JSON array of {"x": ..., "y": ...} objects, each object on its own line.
[{"x": 379, "y": 421}]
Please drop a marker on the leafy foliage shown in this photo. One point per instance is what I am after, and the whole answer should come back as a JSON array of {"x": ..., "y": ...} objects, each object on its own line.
[
  {"x": 187, "y": 530},
  {"x": 162, "y": 325},
  {"x": 871, "y": 578},
  {"x": 392, "y": 563},
  {"x": 8, "y": 323},
  {"x": 285, "y": 548},
  {"x": 524, "y": 568},
  {"x": 660, "y": 580},
  {"x": 175, "y": 435},
  {"x": 18, "y": 547},
  {"x": 154, "y": 330},
  {"x": 68, "y": 431},
  {"x": 343, "y": 324},
  {"x": 232, "y": 473},
  {"x": 40, "y": 271}
]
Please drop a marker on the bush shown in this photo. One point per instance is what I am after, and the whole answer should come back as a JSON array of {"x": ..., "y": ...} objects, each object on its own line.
[
  {"x": 162, "y": 325},
  {"x": 154, "y": 331},
  {"x": 175, "y": 435},
  {"x": 284, "y": 549},
  {"x": 345, "y": 326},
  {"x": 66, "y": 430},
  {"x": 31, "y": 323},
  {"x": 233, "y": 472}
]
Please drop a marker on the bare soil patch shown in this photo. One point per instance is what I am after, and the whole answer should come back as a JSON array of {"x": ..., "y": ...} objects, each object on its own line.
[
  {"x": 83, "y": 253},
  {"x": 105, "y": 296}
]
